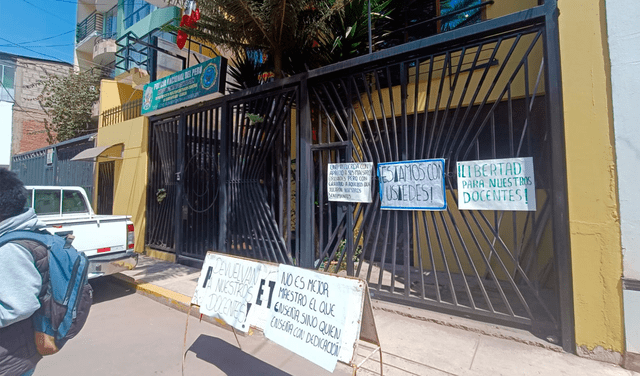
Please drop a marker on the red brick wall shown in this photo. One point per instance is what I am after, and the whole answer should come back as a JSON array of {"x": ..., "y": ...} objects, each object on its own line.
[{"x": 34, "y": 136}]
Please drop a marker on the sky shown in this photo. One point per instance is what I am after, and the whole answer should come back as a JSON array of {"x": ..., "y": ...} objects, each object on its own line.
[{"x": 38, "y": 28}]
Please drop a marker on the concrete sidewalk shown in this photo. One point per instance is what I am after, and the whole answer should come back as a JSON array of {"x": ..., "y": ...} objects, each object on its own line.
[{"x": 414, "y": 341}]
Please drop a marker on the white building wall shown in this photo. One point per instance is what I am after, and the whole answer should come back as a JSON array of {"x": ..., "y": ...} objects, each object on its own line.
[
  {"x": 6, "y": 125},
  {"x": 624, "y": 41}
]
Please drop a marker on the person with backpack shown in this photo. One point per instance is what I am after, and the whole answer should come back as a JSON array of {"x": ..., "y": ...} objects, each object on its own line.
[
  {"x": 45, "y": 295},
  {"x": 20, "y": 281}
]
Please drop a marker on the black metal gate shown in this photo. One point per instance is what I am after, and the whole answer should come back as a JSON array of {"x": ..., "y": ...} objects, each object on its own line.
[
  {"x": 454, "y": 103},
  {"x": 246, "y": 174},
  {"x": 106, "y": 173},
  {"x": 225, "y": 164},
  {"x": 162, "y": 190}
]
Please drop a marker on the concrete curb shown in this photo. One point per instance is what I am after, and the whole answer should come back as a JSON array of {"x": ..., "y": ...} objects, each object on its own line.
[{"x": 172, "y": 299}]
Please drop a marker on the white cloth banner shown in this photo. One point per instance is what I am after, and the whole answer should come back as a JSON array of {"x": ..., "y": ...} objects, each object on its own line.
[
  {"x": 349, "y": 182},
  {"x": 316, "y": 315},
  {"x": 497, "y": 184},
  {"x": 412, "y": 185},
  {"x": 313, "y": 314},
  {"x": 236, "y": 290}
]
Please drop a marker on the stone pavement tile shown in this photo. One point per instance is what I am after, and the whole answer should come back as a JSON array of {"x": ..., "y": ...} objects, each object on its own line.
[
  {"x": 153, "y": 271},
  {"x": 496, "y": 356},
  {"x": 439, "y": 347},
  {"x": 393, "y": 365},
  {"x": 185, "y": 285}
]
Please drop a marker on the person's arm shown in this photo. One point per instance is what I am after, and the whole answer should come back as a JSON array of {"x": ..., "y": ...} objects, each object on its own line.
[{"x": 20, "y": 284}]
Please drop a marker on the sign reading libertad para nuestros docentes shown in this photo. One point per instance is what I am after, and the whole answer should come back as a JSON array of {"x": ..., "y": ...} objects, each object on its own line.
[{"x": 497, "y": 184}]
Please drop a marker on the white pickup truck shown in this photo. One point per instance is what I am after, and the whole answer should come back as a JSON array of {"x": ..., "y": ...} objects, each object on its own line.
[{"x": 107, "y": 240}]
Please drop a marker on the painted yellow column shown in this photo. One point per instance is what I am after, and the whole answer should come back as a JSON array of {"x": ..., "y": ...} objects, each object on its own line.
[
  {"x": 596, "y": 252},
  {"x": 131, "y": 175}
]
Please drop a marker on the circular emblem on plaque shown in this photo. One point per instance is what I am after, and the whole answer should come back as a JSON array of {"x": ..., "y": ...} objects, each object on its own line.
[
  {"x": 147, "y": 98},
  {"x": 209, "y": 76}
]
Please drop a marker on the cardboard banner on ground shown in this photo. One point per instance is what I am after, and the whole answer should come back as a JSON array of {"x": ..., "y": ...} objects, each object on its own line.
[
  {"x": 497, "y": 184},
  {"x": 236, "y": 290},
  {"x": 349, "y": 182},
  {"x": 316, "y": 315},
  {"x": 412, "y": 185}
]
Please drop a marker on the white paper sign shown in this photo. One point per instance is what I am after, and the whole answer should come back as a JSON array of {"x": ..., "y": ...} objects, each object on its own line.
[
  {"x": 349, "y": 182},
  {"x": 412, "y": 185},
  {"x": 497, "y": 184},
  {"x": 316, "y": 315},
  {"x": 236, "y": 290}
]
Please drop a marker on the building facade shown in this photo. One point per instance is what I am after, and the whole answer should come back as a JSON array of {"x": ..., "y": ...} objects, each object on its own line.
[
  {"x": 22, "y": 115},
  {"x": 548, "y": 80}
]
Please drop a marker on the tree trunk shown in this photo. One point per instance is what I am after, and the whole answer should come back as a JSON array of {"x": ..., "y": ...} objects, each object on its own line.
[{"x": 277, "y": 64}]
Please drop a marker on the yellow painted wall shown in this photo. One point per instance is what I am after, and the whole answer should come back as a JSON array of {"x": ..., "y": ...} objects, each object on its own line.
[
  {"x": 596, "y": 251},
  {"x": 114, "y": 94},
  {"x": 130, "y": 185},
  {"x": 503, "y": 7}
]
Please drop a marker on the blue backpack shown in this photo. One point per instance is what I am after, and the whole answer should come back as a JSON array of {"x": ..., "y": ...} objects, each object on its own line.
[{"x": 66, "y": 297}]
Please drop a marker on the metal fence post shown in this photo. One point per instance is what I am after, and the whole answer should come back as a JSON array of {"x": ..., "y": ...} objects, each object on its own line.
[
  {"x": 562, "y": 245},
  {"x": 178, "y": 228},
  {"x": 225, "y": 129},
  {"x": 304, "y": 223}
]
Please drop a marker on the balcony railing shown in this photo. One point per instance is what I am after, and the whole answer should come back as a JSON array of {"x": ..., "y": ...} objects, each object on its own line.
[
  {"x": 91, "y": 24},
  {"x": 127, "y": 111},
  {"x": 137, "y": 52}
]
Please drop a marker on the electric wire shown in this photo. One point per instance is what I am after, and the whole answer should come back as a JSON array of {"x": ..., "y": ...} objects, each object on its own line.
[
  {"x": 47, "y": 38},
  {"x": 36, "y": 52},
  {"x": 42, "y": 46},
  {"x": 46, "y": 11}
]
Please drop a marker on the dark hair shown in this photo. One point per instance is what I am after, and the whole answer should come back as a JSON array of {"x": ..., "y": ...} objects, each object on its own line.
[{"x": 13, "y": 195}]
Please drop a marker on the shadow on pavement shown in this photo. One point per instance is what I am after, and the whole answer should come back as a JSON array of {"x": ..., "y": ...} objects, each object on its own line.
[
  {"x": 108, "y": 288},
  {"x": 230, "y": 359}
]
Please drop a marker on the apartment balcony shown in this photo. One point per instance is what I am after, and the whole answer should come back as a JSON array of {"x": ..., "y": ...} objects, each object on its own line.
[
  {"x": 88, "y": 30},
  {"x": 104, "y": 49}
]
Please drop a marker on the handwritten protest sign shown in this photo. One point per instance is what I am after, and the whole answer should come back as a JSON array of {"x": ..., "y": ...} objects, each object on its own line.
[
  {"x": 349, "y": 182},
  {"x": 236, "y": 290},
  {"x": 497, "y": 184},
  {"x": 412, "y": 185},
  {"x": 316, "y": 315}
]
